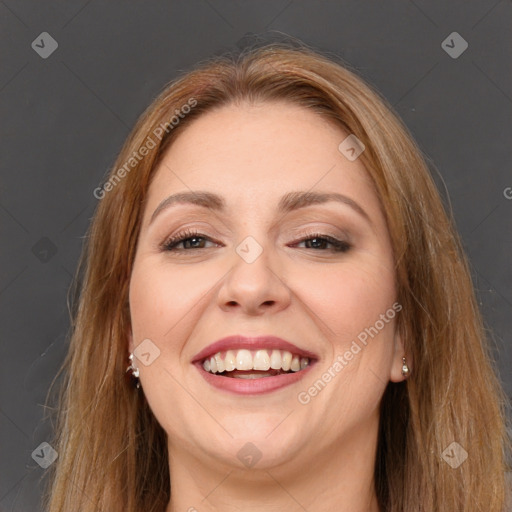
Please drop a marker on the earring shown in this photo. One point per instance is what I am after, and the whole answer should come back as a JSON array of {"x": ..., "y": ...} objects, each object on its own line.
[
  {"x": 134, "y": 370},
  {"x": 405, "y": 368}
]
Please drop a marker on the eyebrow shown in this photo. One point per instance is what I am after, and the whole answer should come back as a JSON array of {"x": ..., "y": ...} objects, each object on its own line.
[{"x": 289, "y": 202}]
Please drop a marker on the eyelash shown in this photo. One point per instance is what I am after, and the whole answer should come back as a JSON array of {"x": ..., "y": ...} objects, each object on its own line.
[{"x": 170, "y": 244}]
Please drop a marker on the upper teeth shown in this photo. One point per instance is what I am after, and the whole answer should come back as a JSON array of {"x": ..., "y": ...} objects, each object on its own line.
[{"x": 254, "y": 360}]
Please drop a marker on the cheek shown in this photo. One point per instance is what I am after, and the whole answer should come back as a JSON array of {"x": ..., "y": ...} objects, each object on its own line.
[
  {"x": 347, "y": 298},
  {"x": 162, "y": 297},
  {"x": 149, "y": 301},
  {"x": 351, "y": 301}
]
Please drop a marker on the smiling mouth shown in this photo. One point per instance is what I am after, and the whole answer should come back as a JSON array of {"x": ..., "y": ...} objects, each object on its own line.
[
  {"x": 254, "y": 364},
  {"x": 254, "y": 374}
]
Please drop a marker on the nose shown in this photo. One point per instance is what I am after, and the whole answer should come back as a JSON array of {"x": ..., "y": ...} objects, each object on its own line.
[{"x": 255, "y": 288}]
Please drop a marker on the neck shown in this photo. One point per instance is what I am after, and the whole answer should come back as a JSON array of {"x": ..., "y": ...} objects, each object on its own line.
[{"x": 338, "y": 479}]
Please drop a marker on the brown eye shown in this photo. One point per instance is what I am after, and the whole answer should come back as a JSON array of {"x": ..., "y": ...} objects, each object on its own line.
[
  {"x": 320, "y": 241},
  {"x": 190, "y": 240}
]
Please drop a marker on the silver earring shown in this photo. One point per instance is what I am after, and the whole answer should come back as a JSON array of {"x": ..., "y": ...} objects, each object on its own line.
[
  {"x": 405, "y": 368},
  {"x": 134, "y": 370}
]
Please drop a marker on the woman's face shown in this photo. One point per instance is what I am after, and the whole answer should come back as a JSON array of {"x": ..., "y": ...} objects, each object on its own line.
[{"x": 260, "y": 266}]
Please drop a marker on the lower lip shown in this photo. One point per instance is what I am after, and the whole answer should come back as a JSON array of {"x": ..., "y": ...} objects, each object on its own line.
[{"x": 253, "y": 386}]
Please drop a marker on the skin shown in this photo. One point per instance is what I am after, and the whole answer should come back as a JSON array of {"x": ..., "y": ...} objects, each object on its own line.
[{"x": 303, "y": 292}]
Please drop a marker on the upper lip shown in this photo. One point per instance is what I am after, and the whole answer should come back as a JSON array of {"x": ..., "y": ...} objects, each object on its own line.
[{"x": 238, "y": 341}]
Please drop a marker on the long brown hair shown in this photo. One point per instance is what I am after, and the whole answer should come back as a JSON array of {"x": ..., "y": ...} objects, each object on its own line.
[{"x": 113, "y": 453}]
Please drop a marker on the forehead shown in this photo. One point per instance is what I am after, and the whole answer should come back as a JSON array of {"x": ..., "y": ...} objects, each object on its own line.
[{"x": 252, "y": 154}]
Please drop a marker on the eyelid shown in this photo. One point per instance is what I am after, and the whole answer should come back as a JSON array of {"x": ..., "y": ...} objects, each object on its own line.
[
  {"x": 323, "y": 228},
  {"x": 339, "y": 244},
  {"x": 204, "y": 228},
  {"x": 308, "y": 229},
  {"x": 182, "y": 235}
]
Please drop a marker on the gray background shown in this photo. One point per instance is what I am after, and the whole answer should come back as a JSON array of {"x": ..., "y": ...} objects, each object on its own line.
[{"x": 65, "y": 117}]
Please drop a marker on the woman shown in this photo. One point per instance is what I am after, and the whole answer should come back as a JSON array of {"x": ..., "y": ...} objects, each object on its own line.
[{"x": 275, "y": 312}]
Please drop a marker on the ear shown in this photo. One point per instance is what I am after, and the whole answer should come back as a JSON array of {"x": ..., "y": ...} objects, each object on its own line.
[
  {"x": 131, "y": 345},
  {"x": 397, "y": 363}
]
